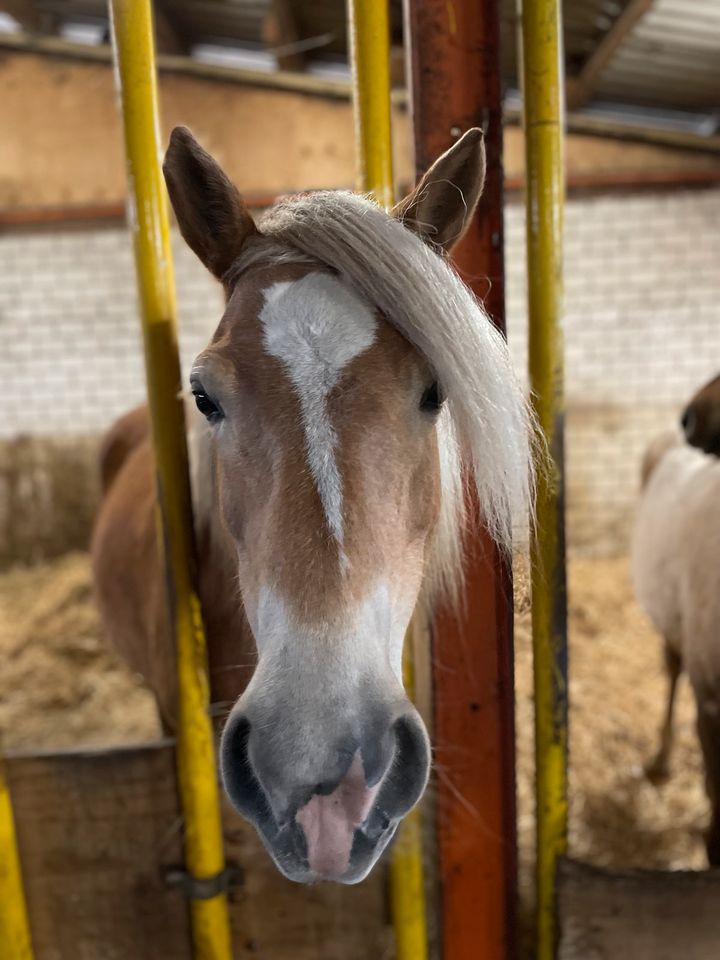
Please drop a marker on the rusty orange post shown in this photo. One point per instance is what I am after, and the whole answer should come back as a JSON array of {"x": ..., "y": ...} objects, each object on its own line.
[{"x": 455, "y": 67}]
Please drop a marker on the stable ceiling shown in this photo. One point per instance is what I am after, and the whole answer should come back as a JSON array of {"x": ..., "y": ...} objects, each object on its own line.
[{"x": 645, "y": 62}]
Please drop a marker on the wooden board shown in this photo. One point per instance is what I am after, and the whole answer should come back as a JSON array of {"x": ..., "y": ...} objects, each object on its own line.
[
  {"x": 97, "y": 831},
  {"x": 638, "y": 914}
]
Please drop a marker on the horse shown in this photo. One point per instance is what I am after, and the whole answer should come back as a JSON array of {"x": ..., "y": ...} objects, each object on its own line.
[
  {"x": 701, "y": 419},
  {"x": 675, "y": 569},
  {"x": 351, "y": 392}
]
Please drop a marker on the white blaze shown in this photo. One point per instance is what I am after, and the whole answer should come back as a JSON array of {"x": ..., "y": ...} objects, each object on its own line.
[
  {"x": 370, "y": 634},
  {"x": 316, "y": 326}
]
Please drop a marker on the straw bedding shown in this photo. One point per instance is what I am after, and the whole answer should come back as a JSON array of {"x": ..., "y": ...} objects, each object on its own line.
[{"x": 60, "y": 685}]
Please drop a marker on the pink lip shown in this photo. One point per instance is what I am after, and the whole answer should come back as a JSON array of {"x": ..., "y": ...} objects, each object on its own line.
[{"x": 329, "y": 822}]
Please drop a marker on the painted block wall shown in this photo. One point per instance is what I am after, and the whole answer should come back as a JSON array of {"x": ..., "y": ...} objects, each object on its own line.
[{"x": 642, "y": 332}]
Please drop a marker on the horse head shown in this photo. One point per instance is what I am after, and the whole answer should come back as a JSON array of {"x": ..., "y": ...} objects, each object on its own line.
[
  {"x": 701, "y": 419},
  {"x": 352, "y": 387}
]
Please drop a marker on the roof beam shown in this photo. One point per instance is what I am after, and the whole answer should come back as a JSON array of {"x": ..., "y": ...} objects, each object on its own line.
[
  {"x": 310, "y": 85},
  {"x": 281, "y": 34},
  {"x": 168, "y": 38},
  {"x": 581, "y": 87},
  {"x": 25, "y": 12}
]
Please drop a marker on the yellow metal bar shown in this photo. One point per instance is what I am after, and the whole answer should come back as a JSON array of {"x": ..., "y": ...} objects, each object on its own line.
[
  {"x": 14, "y": 927},
  {"x": 407, "y": 881},
  {"x": 369, "y": 32},
  {"x": 204, "y": 857},
  {"x": 543, "y": 117}
]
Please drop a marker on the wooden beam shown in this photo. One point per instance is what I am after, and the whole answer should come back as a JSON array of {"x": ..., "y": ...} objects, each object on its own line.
[
  {"x": 98, "y": 832},
  {"x": 81, "y": 213},
  {"x": 398, "y": 75},
  {"x": 580, "y": 88},
  {"x": 607, "y": 182},
  {"x": 643, "y": 914},
  {"x": 168, "y": 36},
  {"x": 304, "y": 83},
  {"x": 310, "y": 85},
  {"x": 580, "y": 121},
  {"x": 635, "y": 180},
  {"x": 25, "y": 12},
  {"x": 281, "y": 34}
]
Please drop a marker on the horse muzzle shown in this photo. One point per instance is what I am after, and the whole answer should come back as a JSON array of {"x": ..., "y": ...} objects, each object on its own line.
[
  {"x": 335, "y": 824},
  {"x": 701, "y": 428}
]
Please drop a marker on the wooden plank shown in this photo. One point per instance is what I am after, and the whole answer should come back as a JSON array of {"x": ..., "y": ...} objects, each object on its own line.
[
  {"x": 169, "y": 37},
  {"x": 635, "y": 180},
  {"x": 26, "y": 13},
  {"x": 280, "y": 32},
  {"x": 97, "y": 831},
  {"x": 94, "y": 832},
  {"x": 296, "y": 82},
  {"x": 276, "y": 919},
  {"x": 638, "y": 914}
]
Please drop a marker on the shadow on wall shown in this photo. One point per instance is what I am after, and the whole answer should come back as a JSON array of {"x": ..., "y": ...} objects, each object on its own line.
[{"x": 49, "y": 492}]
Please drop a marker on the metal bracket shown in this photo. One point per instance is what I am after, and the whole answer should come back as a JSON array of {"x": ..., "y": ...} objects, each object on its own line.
[{"x": 205, "y": 888}]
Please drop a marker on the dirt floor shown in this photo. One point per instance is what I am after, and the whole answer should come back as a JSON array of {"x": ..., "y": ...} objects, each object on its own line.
[
  {"x": 60, "y": 686},
  {"x": 617, "y": 696}
]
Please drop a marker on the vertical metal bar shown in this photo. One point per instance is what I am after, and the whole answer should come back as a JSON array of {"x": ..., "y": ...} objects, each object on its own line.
[
  {"x": 135, "y": 63},
  {"x": 407, "y": 879},
  {"x": 543, "y": 115},
  {"x": 369, "y": 32},
  {"x": 456, "y": 84},
  {"x": 15, "y": 941},
  {"x": 369, "y": 38}
]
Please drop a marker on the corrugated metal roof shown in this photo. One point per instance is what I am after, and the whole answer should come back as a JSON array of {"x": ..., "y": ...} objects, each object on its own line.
[
  {"x": 672, "y": 57},
  {"x": 585, "y": 22}
]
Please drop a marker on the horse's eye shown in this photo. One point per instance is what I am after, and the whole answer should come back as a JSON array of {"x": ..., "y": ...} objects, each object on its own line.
[
  {"x": 207, "y": 407},
  {"x": 432, "y": 399}
]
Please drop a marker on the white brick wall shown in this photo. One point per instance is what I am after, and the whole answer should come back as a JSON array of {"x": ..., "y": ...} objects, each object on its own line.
[
  {"x": 70, "y": 352},
  {"x": 642, "y": 331},
  {"x": 642, "y": 294}
]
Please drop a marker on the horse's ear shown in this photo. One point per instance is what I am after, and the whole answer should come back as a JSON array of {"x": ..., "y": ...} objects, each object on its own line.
[
  {"x": 440, "y": 207},
  {"x": 211, "y": 214}
]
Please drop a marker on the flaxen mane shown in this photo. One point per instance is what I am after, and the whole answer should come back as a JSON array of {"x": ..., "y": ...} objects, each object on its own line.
[{"x": 486, "y": 430}]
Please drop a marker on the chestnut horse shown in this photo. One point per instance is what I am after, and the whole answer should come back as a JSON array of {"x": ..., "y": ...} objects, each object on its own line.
[
  {"x": 676, "y": 571},
  {"x": 701, "y": 419},
  {"x": 351, "y": 390}
]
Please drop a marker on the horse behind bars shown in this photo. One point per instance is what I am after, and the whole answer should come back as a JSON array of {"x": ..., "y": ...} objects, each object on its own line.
[{"x": 351, "y": 390}]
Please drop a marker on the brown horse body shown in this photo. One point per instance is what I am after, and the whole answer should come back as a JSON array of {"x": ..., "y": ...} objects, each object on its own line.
[
  {"x": 129, "y": 577},
  {"x": 676, "y": 571}
]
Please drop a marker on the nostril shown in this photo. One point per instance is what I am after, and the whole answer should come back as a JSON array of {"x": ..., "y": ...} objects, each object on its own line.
[
  {"x": 412, "y": 756},
  {"x": 688, "y": 422},
  {"x": 405, "y": 778},
  {"x": 241, "y": 784}
]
